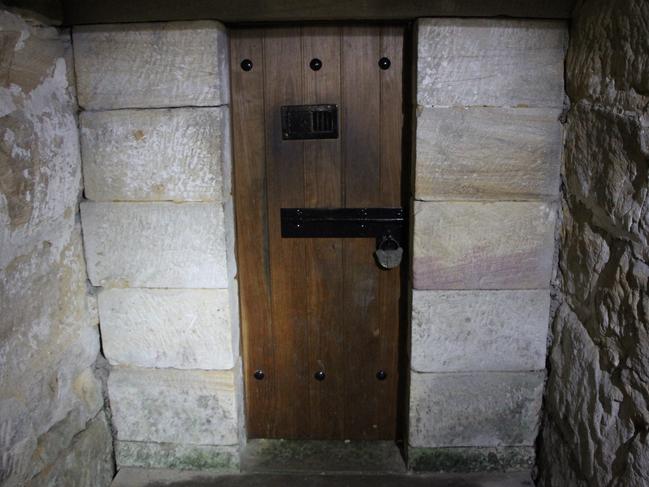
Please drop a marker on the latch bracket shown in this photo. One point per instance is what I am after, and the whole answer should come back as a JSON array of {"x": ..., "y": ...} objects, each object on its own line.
[{"x": 342, "y": 222}]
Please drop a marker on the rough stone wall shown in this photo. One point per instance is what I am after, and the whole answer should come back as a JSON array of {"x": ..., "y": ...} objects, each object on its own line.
[
  {"x": 53, "y": 429},
  {"x": 596, "y": 419},
  {"x": 158, "y": 233},
  {"x": 488, "y": 142}
]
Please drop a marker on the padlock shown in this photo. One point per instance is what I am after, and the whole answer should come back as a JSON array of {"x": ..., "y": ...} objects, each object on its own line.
[{"x": 388, "y": 252}]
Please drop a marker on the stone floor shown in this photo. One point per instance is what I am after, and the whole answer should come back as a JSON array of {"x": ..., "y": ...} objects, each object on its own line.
[
  {"x": 279, "y": 463},
  {"x": 133, "y": 477}
]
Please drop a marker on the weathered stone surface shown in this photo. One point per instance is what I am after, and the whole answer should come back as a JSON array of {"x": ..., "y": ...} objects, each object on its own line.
[
  {"x": 88, "y": 462},
  {"x": 151, "y": 65},
  {"x": 458, "y": 459},
  {"x": 173, "y": 406},
  {"x": 155, "y": 244},
  {"x": 39, "y": 144},
  {"x": 176, "y": 328},
  {"x": 48, "y": 322},
  {"x": 153, "y": 155},
  {"x": 607, "y": 60},
  {"x": 597, "y": 404},
  {"x": 456, "y": 331},
  {"x": 493, "y": 62},
  {"x": 475, "y": 409},
  {"x": 177, "y": 456},
  {"x": 49, "y": 334},
  {"x": 463, "y": 245},
  {"x": 610, "y": 177},
  {"x": 487, "y": 153},
  {"x": 586, "y": 399}
]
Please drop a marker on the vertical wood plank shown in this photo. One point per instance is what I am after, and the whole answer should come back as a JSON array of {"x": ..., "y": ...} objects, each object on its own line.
[
  {"x": 317, "y": 304},
  {"x": 360, "y": 132},
  {"x": 252, "y": 234},
  {"x": 324, "y": 269},
  {"x": 285, "y": 176},
  {"x": 391, "y": 153}
]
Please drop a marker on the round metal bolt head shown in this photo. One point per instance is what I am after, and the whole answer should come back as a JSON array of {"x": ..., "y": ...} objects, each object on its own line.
[
  {"x": 384, "y": 63},
  {"x": 246, "y": 64}
]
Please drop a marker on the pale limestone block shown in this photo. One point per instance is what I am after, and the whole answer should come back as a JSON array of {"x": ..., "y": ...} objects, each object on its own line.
[
  {"x": 475, "y": 409},
  {"x": 174, "y": 406},
  {"x": 153, "y": 155},
  {"x": 175, "y": 328},
  {"x": 487, "y": 153},
  {"x": 180, "y": 457},
  {"x": 149, "y": 65},
  {"x": 492, "y": 62},
  {"x": 155, "y": 244},
  {"x": 465, "y": 245},
  {"x": 461, "y": 331}
]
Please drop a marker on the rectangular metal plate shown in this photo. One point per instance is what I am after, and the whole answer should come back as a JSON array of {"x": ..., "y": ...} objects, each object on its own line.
[
  {"x": 341, "y": 222},
  {"x": 301, "y": 122}
]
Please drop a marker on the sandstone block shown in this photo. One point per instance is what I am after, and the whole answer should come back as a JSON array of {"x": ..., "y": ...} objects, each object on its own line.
[
  {"x": 606, "y": 163},
  {"x": 487, "y": 153},
  {"x": 153, "y": 155},
  {"x": 586, "y": 399},
  {"x": 596, "y": 69},
  {"x": 155, "y": 244},
  {"x": 88, "y": 461},
  {"x": 471, "y": 459},
  {"x": 476, "y": 409},
  {"x": 48, "y": 329},
  {"x": 492, "y": 62},
  {"x": 464, "y": 245},
  {"x": 457, "y": 331},
  {"x": 176, "y": 456},
  {"x": 39, "y": 142},
  {"x": 173, "y": 406},
  {"x": 148, "y": 65},
  {"x": 175, "y": 328}
]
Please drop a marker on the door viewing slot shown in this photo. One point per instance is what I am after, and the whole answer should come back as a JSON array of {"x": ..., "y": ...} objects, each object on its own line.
[{"x": 301, "y": 122}]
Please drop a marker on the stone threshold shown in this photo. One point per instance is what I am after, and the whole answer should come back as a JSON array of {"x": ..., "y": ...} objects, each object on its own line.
[
  {"x": 140, "y": 477},
  {"x": 318, "y": 456}
]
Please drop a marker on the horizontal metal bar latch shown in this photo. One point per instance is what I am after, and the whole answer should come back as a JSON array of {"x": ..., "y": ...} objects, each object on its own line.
[{"x": 342, "y": 222}]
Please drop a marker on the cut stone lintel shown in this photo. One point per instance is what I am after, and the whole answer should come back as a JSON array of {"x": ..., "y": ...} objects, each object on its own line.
[
  {"x": 155, "y": 65},
  {"x": 164, "y": 245},
  {"x": 101, "y": 12},
  {"x": 472, "y": 246},
  {"x": 487, "y": 154},
  {"x": 491, "y": 62}
]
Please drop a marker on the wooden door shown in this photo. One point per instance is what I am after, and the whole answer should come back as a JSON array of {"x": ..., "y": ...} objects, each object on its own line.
[{"x": 317, "y": 304}]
